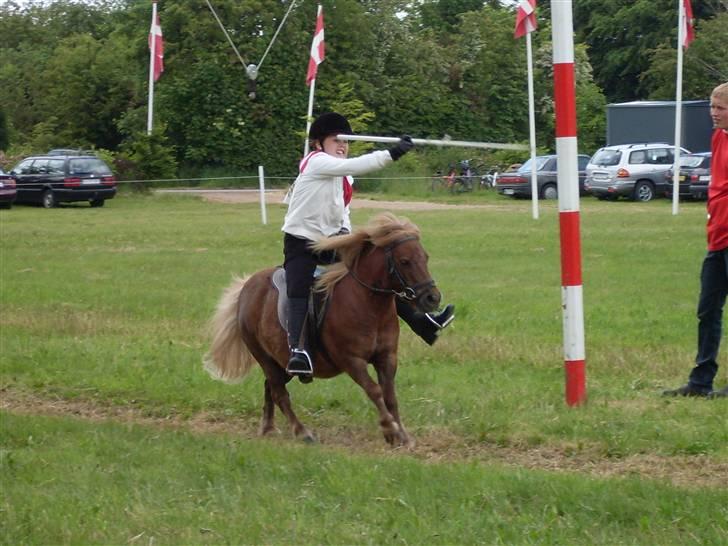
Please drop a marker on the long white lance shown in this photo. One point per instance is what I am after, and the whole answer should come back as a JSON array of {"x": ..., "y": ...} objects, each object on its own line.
[{"x": 432, "y": 142}]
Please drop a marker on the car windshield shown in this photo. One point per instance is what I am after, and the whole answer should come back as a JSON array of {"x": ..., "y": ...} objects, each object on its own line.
[
  {"x": 607, "y": 158},
  {"x": 691, "y": 161},
  {"x": 540, "y": 162},
  {"x": 88, "y": 165}
]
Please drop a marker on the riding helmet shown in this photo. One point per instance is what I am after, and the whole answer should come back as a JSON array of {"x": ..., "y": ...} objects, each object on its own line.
[{"x": 329, "y": 124}]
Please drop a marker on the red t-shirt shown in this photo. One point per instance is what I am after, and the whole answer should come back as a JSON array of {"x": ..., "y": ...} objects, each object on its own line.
[{"x": 718, "y": 193}]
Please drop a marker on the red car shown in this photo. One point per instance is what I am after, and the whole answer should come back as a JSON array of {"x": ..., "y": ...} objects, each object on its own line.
[{"x": 8, "y": 193}]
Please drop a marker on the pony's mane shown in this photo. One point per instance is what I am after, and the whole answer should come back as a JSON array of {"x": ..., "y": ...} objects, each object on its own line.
[{"x": 382, "y": 230}]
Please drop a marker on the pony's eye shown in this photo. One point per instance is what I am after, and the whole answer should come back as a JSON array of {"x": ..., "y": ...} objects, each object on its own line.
[{"x": 405, "y": 262}]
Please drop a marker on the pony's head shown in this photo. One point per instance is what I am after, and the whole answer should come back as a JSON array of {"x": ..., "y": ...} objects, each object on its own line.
[{"x": 407, "y": 259}]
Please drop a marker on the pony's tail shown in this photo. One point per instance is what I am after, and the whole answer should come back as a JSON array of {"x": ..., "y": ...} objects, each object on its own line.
[{"x": 228, "y": 358}]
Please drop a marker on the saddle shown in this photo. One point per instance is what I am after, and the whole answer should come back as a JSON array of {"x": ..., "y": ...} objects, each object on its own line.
[{"x": 318, "y": 304}]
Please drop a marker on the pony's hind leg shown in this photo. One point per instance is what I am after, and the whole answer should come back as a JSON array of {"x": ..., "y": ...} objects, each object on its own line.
[
  {"x": 276, "y": 393},
  {"x": 267, "y": 424},
  {"x": 280, "y": 396}
]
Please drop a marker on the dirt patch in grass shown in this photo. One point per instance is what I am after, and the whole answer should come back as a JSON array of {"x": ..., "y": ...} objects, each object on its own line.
[{"x": 433, "y": 444}]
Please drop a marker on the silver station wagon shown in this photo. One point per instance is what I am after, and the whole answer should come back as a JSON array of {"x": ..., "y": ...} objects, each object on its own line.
[{"x": 634, "y": 171}]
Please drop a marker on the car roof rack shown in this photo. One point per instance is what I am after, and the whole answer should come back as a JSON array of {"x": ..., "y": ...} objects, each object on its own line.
[
  {"x": 70, "y": 151},
  {"x": 648, "y": 144}
]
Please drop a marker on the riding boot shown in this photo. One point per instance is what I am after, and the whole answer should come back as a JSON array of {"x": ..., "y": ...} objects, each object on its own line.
[
  {"x": 299, "y": 362},
  {"x": 425, "y": 325}
]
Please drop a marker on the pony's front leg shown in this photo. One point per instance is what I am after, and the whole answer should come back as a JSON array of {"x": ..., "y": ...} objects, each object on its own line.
[
  {"x": 385, "y": 374},
  {"x": 393, "y": 432}
]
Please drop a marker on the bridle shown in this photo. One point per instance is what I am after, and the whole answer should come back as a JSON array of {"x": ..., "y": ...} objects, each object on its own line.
[{"x": 408, "y": 293}]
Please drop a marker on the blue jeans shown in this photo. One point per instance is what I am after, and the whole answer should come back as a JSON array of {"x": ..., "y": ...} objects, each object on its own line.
[{"x": 713, "y": 291}]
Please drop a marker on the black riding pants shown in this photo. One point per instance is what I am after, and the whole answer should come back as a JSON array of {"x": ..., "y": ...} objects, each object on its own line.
[
  {"x": 300, "y": 262},
  {"x": 713, "y": 293}
]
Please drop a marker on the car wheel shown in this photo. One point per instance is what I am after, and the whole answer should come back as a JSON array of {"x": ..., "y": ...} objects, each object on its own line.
[
  {"x": 48, "y": 199},
  {"x": 549, "y": 191},
  {"x": 643, "y": 191},
  {"x": 97, "y": 202}
]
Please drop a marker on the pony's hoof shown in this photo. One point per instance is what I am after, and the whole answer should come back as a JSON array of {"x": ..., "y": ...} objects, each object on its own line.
[
  {"x": 265, "y": 430},
  {"x": 306, "y": 436}
]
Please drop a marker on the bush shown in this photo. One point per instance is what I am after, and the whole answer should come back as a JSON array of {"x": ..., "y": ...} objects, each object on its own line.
[{"x": 146, "y": 158}]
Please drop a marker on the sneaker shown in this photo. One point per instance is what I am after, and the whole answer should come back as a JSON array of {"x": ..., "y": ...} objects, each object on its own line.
[
  {"x": 687, "y": 390},
  {"x": 722, "y": 393},
  {"x": 299, "y": 363},
  {"x": 445, "y": 317}
]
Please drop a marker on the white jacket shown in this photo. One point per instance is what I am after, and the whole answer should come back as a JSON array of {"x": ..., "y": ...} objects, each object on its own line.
[{"x": 316, "y": 208}]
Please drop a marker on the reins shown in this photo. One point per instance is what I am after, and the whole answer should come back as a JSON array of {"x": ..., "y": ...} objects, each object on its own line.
[{"x": 408, "y": 293}]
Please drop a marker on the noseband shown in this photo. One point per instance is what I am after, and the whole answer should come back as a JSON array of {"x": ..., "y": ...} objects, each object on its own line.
[{"x": 408, "y": 293}]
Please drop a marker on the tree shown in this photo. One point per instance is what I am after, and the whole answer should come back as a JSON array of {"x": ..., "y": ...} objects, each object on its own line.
[
  {"x": 620, "y": 34},
  {"x": 704, "y": 63},
  {"x": 4, "y": 136}
]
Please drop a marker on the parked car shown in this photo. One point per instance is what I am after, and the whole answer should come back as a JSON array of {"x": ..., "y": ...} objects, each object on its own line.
[
  {"x": 694, "y": 176},
  {"x": 518, "y": 183},
  {"x": 7, "y": 190},
  {"x": 634, "y": 171},
  {"x": 53, "y": 179}
]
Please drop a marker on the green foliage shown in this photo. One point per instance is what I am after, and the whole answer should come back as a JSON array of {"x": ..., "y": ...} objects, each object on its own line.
[
  {"x": 146, "y": 157},
  {"x": 4, "y": 130},
  {"x": 76, "y": 73},
  {"x": 621, "y": 34},
  {"x": 705, "y": 64}
]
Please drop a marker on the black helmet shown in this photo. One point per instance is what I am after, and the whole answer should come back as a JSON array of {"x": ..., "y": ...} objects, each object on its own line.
[{"x": 329, "y": 124}]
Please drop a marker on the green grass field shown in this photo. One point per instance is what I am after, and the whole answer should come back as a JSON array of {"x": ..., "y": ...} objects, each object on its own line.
[{"x": 113, "y": 434}]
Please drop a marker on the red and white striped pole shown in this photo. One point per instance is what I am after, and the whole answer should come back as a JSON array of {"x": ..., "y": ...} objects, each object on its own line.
[{"x": 568, "y": 185}]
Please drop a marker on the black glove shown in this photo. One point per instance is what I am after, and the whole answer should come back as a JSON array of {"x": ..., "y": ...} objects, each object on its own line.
[{"x": 404, "y": 145}]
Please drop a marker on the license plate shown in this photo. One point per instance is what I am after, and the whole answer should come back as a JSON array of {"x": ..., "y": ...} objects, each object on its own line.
[
  {"x": 704, "y": 178},
  {"x": 508, "y": 191},
  {"x": 91, "y": 181}
]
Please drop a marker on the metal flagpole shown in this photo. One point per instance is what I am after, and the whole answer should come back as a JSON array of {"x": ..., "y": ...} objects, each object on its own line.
[
  {"x": 532, "y": 130},
  {"x": 678, "y": 108},
  {"x": 152, "y": 55},
  {"x": 309, "y": 115}
]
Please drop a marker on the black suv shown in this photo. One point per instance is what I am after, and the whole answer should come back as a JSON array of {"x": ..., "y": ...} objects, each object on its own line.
[{"x": 58, "y": 178}]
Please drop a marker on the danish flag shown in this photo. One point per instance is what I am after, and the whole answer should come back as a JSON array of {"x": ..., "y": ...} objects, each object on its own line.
[
  {"x": 689, "y": 30},
  {"x": 317, "y": 48},
  {"x": 526, "y": 18},
  {"x": 156, "y": 45}
]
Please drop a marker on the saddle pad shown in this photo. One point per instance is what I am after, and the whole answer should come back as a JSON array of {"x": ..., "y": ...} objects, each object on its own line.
[{"x": 279, "y": 282}]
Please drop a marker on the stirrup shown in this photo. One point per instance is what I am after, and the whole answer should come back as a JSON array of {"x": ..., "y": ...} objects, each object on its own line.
[
  {"x": 299, "y": 363},
  {"x": 444, "y": 318}
]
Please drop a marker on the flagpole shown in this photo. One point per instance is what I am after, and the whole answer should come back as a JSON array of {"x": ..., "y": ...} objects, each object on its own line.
[
  {"x": 532, "y": 130},
  {"x": 152, "y": 55},
  {"x": 309, "y": 115},
  {"x": 678, "y": 107},
  {"x": 317, "y": 56}
]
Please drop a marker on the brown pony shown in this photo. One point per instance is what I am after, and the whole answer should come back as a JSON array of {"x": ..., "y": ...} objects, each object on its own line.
[{"x": 379, "y": 262}]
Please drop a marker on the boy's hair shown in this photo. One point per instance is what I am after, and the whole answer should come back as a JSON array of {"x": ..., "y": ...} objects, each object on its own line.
[{"x": 721, "y": 92}]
